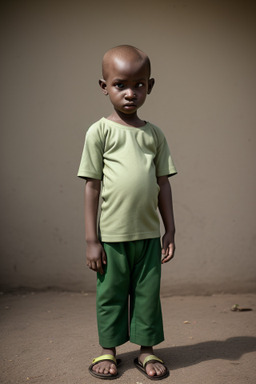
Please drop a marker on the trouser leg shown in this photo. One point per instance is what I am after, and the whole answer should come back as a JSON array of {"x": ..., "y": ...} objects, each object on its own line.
[
  {"x": 112, "y": 297},
  {"x": 132, "y": 268},
  {"x": 146, "y": 315}
]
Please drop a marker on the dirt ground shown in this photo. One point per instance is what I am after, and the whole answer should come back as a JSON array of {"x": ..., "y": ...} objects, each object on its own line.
[{"x": 51, "y": 337}]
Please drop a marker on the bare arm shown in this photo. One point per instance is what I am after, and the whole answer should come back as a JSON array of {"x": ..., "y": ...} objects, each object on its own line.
[
  {"x": 166, "y": 210},
  {"x": 95, "y": 254}
]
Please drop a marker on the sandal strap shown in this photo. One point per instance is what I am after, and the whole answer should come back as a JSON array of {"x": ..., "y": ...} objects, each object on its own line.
[
  {"x": 104, "y": 357},
  {"x": 150, "y": 358}
]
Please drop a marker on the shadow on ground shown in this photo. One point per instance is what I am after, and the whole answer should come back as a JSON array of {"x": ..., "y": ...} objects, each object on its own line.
[{"x": 184, "y": 356}]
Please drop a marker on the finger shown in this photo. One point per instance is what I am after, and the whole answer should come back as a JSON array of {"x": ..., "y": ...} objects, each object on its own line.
[
  {"x": 170, "y": 254},
  {"x": 171, "y": 251},
  {"x": 93, "y": 266},
  {"x": 166, "y": 259},
  {"x": 99, "y": 267},
  {"x": 104, "y": 258}
]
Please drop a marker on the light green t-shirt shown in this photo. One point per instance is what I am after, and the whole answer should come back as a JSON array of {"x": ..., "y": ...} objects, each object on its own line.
[{"x": 128, "y": 160}]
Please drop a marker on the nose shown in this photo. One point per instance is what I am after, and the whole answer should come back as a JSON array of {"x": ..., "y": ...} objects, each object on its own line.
[{"x": 130, "y": 94}]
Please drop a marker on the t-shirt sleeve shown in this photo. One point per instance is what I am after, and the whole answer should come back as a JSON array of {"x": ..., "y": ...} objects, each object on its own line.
[
  {"x": 91, "y": 165},
  {"x": 163, "y": 160}
]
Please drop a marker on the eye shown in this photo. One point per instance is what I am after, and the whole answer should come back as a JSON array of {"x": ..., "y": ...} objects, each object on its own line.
[
  {"x": 119, "y": 85},
  {"x": 139, "y": 85}
]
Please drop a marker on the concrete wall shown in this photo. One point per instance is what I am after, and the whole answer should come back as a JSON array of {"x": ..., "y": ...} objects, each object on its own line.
[{"x": 203, "y": 59}]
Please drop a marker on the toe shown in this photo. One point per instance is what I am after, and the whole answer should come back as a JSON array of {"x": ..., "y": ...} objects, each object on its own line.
[
  {"x": 105, "y": 367},
  {"x": 95, "y": 368},
  {"x": 155, "y": 369},
  {"x": 150, "y": 370},
  {"x": 112, "y": 369},
  {"x": 159, "y": 368}
]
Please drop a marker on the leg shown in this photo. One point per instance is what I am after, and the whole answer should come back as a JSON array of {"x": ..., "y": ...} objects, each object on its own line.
[
  {"x": 146, "y": 315},
  {"x": 112, "y": 306},
  {"x": 155, "y": 368},
  {"x": 105, "y": 367}
]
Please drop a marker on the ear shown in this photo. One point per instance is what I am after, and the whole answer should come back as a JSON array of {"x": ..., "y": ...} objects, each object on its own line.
[
  {"x": 103, "y": 86},
  {"x": 151, "y": 83}
]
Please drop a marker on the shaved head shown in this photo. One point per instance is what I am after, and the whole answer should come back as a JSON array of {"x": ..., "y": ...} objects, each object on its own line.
[{"x": 124, "y": 55}]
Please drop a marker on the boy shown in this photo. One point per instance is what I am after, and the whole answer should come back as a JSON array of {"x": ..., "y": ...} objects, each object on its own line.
[{"x": 132, "y": 159}]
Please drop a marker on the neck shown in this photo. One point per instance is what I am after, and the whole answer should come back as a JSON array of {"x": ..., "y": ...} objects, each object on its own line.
[{"x": 126, "y": 119}]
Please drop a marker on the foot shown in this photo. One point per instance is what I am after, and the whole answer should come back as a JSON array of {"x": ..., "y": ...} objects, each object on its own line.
[
  {"x": 152, "y": 369},
  {"x": 105, "y": 367}
]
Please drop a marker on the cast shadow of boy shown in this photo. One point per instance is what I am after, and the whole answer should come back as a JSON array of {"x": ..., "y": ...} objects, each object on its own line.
[{"x": 184, "y": 356}]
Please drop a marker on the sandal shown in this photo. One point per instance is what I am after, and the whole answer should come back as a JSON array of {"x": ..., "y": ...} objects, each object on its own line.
[
  {"x": 106, "y": 376},
  {"x": 151, "y": 359}
]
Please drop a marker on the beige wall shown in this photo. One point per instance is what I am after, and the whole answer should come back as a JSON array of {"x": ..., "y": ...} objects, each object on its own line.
[{"x": 203, "y": 59}]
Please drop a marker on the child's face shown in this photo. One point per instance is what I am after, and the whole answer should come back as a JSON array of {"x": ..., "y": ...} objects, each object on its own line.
[{"x": 127, "y": 83}]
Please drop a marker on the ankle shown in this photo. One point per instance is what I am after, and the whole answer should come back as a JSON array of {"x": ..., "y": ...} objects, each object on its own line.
[
  {"x": 145, "y": 349},
  {"x": 109, "y": 351}
]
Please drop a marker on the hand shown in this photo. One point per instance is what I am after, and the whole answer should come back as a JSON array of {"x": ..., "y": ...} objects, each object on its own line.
[
  {"x": 95, "y": 257},
  {"x": 168, "y": 247}
]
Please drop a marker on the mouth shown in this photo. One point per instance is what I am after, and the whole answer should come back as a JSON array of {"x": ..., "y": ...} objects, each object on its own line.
[{"x": 130, "y": 105}]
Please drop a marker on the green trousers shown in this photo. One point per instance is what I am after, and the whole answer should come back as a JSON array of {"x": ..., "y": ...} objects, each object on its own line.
[{"x": 128, "y": 294}]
